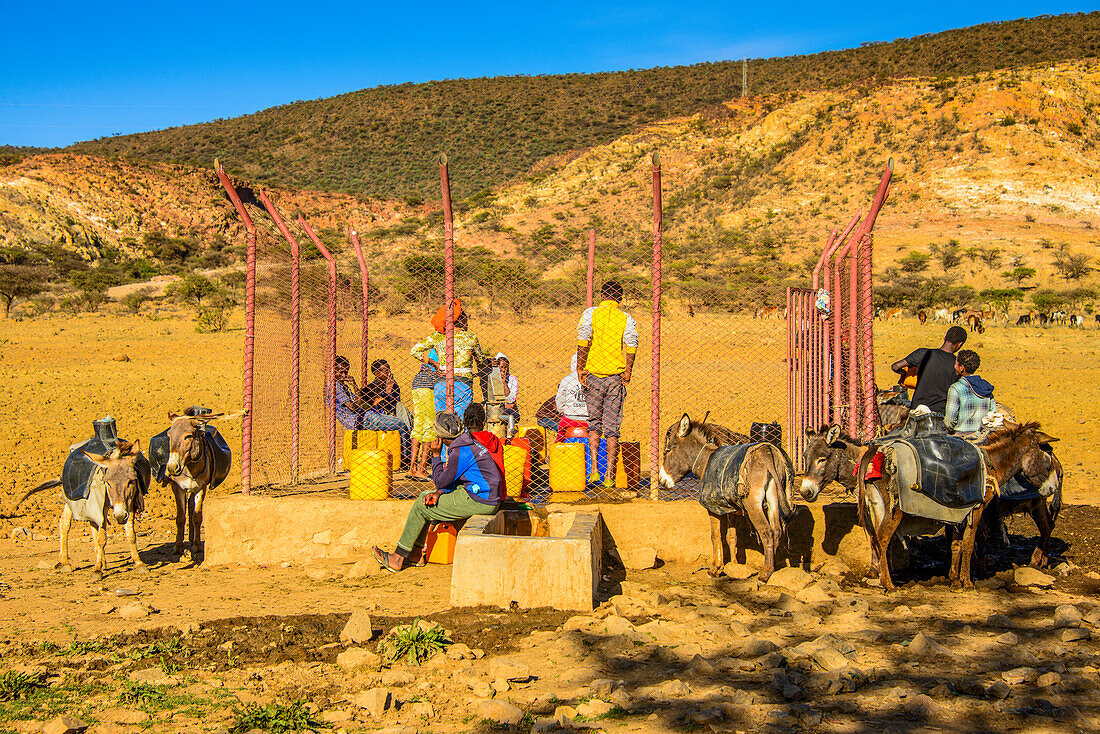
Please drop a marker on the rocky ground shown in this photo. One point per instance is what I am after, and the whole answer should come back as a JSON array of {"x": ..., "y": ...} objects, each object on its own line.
[{"x": 670, "y": 650}]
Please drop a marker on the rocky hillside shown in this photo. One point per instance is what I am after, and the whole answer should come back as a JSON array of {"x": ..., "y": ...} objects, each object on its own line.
[
  {"x": 998, "y": 169},
  {"x": 382, "y": 141}
]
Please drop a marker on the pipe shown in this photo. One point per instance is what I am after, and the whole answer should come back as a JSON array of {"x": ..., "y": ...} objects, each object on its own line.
[
  {"x": 249, "y": 328},
  {"x": 295, "y": 331},
  {"x": 448, "y": 279},
  {"x": 867, "y": 343},
  {"x": 655, "y": 361},
  {"x": 330, "y": 353},
  {"x": 591, "y": 266},
  {"x": 364, "y": 277}
]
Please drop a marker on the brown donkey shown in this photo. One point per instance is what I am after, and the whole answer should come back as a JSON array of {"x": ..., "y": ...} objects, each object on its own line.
[
  {"x": 1005, "y": 451},
  {"x": 115, "y": 491},
  {"x": 735, "y": 476}
]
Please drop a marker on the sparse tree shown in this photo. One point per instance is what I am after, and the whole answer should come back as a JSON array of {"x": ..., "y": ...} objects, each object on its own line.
[
  {"x": 1001, "y": 299},
  {"x": 1071, "y": 266},
  {"x": 20, "y": 281},
  {"x": 915, "y": 262},
  {"x": 192, "y": 289},
  {"x": 1019, "y": 274},
  {"x": 950, "y": 256}
]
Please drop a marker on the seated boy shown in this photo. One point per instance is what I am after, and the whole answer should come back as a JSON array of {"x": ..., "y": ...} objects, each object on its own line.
[
  {"x": 468, "y": 484},
  {"x": 970, "y": 398}
]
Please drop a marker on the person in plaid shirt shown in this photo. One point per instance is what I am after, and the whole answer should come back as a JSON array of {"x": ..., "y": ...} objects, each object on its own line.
[{"x": 970, "y": 398}]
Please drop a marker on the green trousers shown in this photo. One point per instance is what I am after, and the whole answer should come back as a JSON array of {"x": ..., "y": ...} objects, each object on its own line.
[{"x": 456, "y": 505}]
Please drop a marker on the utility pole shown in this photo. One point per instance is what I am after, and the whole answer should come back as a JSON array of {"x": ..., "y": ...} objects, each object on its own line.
[{"x": 744, "y": 77}]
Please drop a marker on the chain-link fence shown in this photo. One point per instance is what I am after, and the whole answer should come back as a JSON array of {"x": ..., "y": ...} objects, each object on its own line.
[{"x": 350, "y": 356}]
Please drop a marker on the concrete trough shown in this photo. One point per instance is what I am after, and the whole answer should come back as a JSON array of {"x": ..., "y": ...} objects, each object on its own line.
[{"x": 519, "y": 557}]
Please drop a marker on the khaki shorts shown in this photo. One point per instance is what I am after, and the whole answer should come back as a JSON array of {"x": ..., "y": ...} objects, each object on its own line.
[{"x": 604, "y": 397}]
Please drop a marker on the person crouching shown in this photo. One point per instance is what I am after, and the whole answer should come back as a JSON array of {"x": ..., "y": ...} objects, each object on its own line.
[{"x": 467, "y": 484}]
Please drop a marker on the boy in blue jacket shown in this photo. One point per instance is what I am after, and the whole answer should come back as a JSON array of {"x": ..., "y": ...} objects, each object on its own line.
[{"x": 468, "y": 484}]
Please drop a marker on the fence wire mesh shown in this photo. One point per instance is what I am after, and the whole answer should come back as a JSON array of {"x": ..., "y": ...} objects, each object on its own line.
[{"x": 723, "y": 352}]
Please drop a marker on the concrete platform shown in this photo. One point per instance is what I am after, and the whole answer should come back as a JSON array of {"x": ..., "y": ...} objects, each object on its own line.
[
  {"x": 514, "y": 557},
  {"x": 300, "y": 529}
]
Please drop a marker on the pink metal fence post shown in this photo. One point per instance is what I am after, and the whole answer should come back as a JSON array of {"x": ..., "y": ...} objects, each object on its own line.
[
  {"x": 792, "y": 399},
  {"x": 295, "y": 332},
  {"x": 591, "y": 265},
  {"x": 867, "y": 344},
  {"x": 448, "y": 278},
  {"x": 364, "y": 277},
  {"x": 249, "y": 328},
  {"x": 330, "y": 351},
  {"x": 655, "y": 361}
]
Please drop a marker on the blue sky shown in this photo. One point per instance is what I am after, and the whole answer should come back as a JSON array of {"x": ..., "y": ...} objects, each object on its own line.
[{"x": 76, "y": 71}]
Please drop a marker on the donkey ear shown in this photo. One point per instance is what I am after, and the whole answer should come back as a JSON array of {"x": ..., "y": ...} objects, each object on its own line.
[
  {"x": 1044, "y": 437},
  {"x": 833, "y": 434},
  {"x": 97, "y": 459},
  {"x": 685, "y": 426},
  {"x": 135, "y": 447},
  {"x": 711, "y": 445},
  {"x": 172, "y": 416}
]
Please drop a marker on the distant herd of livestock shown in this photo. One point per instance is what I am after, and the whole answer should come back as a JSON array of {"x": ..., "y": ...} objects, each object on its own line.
[{"x": 974, "y": 319}]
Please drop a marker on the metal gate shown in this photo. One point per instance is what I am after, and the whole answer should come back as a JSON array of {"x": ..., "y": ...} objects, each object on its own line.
[{"x": 830, "y": 339}]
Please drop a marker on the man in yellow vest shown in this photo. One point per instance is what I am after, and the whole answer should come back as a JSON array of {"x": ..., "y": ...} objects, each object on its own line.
[{"x": 607, "y": 339}]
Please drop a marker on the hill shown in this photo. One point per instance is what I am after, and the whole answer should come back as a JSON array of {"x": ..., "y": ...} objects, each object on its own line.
[
  {"x": 993, "y": 172},
  {"x": 381, "y": 142}
]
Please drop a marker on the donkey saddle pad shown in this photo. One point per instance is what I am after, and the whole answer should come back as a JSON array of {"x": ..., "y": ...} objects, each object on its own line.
[
  {"x": 215, "y": 444},
  {"x": 939, "y": 477},
  {"x": 719, "y": 492}
]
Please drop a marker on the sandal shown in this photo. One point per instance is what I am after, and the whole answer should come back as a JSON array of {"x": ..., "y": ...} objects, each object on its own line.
[{"x": 383, "y": 558}]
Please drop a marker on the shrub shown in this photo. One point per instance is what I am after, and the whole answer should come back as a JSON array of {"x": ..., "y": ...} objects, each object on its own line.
[
  {"x": 414, "y": 643},
  {"x": 276, "y": 718},
  {"x": 134, "y": 300},
  {"x": 16, "y": 686}
]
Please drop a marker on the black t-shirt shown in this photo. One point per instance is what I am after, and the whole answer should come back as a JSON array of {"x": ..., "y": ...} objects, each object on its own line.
[{"x": 935, "y": 373}]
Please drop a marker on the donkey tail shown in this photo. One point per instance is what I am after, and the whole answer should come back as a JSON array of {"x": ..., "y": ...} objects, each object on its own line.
[
  {"x": 49, "y": 484},
  {"x": 783, "y": 484}
]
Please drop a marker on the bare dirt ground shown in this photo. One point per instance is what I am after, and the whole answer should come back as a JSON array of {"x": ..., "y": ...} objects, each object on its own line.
[{"x": 669, "y": 650}]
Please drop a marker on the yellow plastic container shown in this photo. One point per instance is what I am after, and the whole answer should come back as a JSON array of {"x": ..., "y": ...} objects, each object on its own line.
[
  {"x": 515, "y": 470},
  {"x": 567, "y": 476},
  {"x": 371, "y": 474},
  {"x": 386, "y": 440}
]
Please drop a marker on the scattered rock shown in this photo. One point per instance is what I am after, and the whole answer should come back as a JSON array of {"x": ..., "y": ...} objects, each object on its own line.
[
  {"x": 706, "y": 717},
  {"x": 792, "y": 577},
  {"x": 701, "y": 666},
  {"x": 1074, "y": 635},
  {"x": 481, "y": 689},
  {"x": 594, "y": 708},
  {"x": 48, "y": 565},
  {"x": 65, "y": 725},
  {"x": 1008, "y": 639},
  {"x": 362, "y": 569},
  {"x": 135, "y": 610},
  {"x": 602, "y": 687},
  {"x": 564, "y": 714},
  {"x": 923, "y": 646},
  {"x": 320, "y": 574},
  {"x": 358, "y": 630},
  {"x": 17, "y": 533},
  {"x": 323, "y": 538},
  {"x": 375, "y": 701},
  {"x": 501, "y": 712},
  {"x": 754, "y": 647},
  {"x": 421, "y": 710},
  {"x": 509, "y": 669},
  {"x": 1028, "y": 576},
  {"x": 922, "y": 706},
  {"x": 814, "y": 595},
  {"x": 638, "y": 559},
  {"x": 1067, "y": 616},
  {"x": 1016, "y": 676},
  {"x": 107, "y": 608},
  {"x": 1000, "y": 620},
  {"x": 357, "y": 657},
  {"x": 834, "y": 567},
  {"x": 787, "y": 603},
  {"x": 999, "y": 691},
  {"x": 829, "y": 658},
  {"x": 121, "y": 358},
  {"x": 739, "y": 571},
  {"x": 459, "y": 651},
  {"x": 1046, "y": 680},
  {"x": 398, "y": 677}
]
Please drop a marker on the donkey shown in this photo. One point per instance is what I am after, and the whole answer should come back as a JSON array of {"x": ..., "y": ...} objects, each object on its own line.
[
  {"x": 736, "y": 476},
  {"x": 1005, "y": 452},
  {"x": 830, "y": 456},
  {"x": 115, "y": 491},
  {"x": 1043, "y": 509},
  {"x": 198, "y": 459}
]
